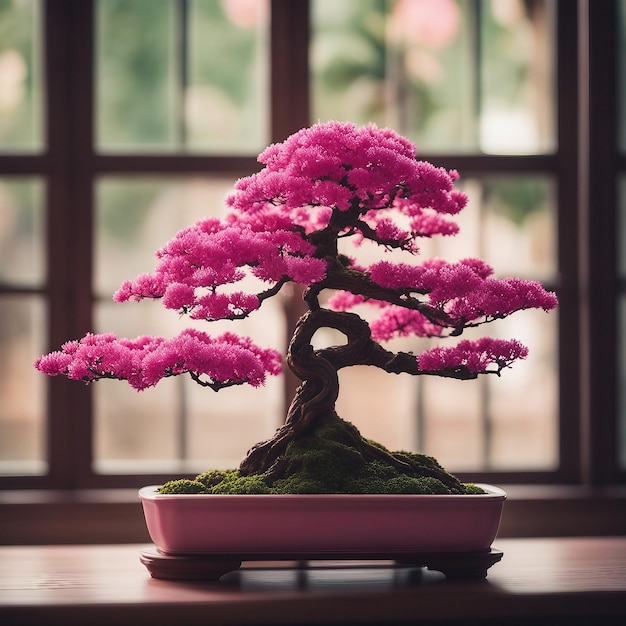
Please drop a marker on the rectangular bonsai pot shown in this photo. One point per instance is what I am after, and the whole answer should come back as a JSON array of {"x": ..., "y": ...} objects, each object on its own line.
[{"x": 324, "y": 525}]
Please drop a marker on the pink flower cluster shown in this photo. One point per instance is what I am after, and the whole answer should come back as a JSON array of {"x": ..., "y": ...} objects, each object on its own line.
[
  {"x": 463, "y": 291},
  {"x": 339, "y": 166},
  {"x": 430, "y": 275},
  {"x": 474, "y": 357},
  {"x": 396, "y": 321},
  {"x": 144, "y": 361},
  {"x": 213, "y": 253}
]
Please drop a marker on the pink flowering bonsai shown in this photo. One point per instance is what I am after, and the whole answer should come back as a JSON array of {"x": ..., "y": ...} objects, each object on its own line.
[{"x": 324, "y": 185}]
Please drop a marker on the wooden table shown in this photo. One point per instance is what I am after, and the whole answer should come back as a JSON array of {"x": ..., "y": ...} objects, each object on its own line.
[{"x": 539, "y": 581}]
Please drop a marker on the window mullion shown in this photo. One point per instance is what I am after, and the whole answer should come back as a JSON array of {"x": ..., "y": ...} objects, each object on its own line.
[
  {"x": 601, "y": 223},
  {"x": 59, "y": 288},
  {"x": 289, "y": 67},
  {"x": 569, "y": 62},
  {"x": 71, "y": 123}
]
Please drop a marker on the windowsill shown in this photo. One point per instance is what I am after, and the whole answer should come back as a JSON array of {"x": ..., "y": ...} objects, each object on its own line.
[
  {"x": 115, "y": 515},
  {"x": 544, "y": 581}
]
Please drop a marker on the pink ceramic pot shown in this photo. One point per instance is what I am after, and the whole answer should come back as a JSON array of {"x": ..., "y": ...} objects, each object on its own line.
[{"x": 322, "y": 525}]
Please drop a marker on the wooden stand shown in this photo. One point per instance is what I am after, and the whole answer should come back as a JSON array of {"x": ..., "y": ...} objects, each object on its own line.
[{"x": 210, "y": 567}]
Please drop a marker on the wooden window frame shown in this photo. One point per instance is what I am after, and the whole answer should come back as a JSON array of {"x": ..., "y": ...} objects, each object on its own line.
[{"x": 586, "y": 125}]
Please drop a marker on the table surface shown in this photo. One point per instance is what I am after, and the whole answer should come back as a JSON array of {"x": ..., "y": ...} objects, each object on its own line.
[{"x": 537, "y": 580}]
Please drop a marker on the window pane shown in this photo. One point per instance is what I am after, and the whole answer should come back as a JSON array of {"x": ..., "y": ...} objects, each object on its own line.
[
  {"x": 21, "y": 232},
  {"x": 449, "y": 77},
  {"x": 517, "y": 91},
  {"x": 513, "y": 226},
  {"x": 177, "y": 420},
  {"x": 187, "y": 75},
  {"x": 226, "y": 100},
  {"x": 22, "y": 388},
  {"x": 505, "y": 423},
  {"x": 22, "y": 431},
  {"x": 135, "y": 74},
  {"x": 498, "y": 423},
  {"x": 510, "y": 222},
  {"x": 20, "y": 76},
  {"x": 137, "y": 216}
]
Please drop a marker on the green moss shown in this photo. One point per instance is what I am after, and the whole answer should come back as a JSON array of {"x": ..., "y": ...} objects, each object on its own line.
[
  {"x": 183, "y": 485},
  {"x": 327, "y": 461},
  {"x": 321, "y": 465},
  {"x": 410, "y": 484},
  {"x": 473, "y": 489},
  {"x": 235, "y": 484},
  {"x": 416, "y": 458},
  {"x": 212, "y": 478}
]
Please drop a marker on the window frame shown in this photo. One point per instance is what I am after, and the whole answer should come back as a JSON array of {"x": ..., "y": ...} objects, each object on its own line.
[
  {"x": 603, "y": 167},
  {"x": 586, "y": 116}
]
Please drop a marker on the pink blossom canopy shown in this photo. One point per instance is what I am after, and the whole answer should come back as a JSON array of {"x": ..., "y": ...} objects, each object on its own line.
[
  {"x": 213, "y": 362},
  {"x": 326, "y": 183},
  {"x": 339, "y": 167}
]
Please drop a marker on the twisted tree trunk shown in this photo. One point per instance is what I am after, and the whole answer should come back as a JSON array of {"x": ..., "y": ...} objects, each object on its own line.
[{"x": 315, "y": 398}]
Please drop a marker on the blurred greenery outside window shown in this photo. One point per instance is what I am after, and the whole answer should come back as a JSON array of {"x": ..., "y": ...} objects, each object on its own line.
[
  {"x": 191, "y": 77},
  {"x": 182, "y": 76},
  {"x": 21, "y": 80},
  {"x": 454, "y": 75},
  {"x": 22, "y": 325}
]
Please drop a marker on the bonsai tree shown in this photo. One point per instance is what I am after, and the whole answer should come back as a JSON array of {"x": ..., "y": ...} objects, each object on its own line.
[{"x": 323, "y": 188}]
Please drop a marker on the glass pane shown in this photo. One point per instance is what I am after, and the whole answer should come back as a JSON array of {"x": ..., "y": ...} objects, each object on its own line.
[
  {"x": 22, "y": 388},
  {"x": 21, "y": 118},
  {"x": 510, "y": 222},
  {"x": 397, "y": 64},
  {"x": 182, "y": 75},
  {"x": 517, "y": 227},
  {"x": 226, "y": 99},
  {"x": 177, "y": 420},
  {"x": 135, "y": 74},
  {"x": 498, "y": 423},
  {"x": 516, "y": 76},
  {"x": 21, "y": 232},
  {"x": 506, "y": 423},
  {"x": 438, "y": 71},
  {"x": 522, "y": 405},
  {"x": 137, "y": 216}
]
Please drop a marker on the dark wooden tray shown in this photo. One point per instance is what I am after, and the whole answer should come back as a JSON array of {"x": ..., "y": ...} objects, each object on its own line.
[{"x": 455, "y": 565}]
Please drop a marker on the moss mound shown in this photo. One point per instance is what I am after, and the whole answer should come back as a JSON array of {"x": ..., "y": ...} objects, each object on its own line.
[
  {"x": 328, "y": 461},
  {"x": 183, "y": 485}
]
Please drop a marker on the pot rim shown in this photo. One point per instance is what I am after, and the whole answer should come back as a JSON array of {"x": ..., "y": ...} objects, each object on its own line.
[{"x": 492, "y": 492}]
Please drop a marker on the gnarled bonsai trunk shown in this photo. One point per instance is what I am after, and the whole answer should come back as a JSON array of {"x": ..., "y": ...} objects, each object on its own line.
[{"x": 315, "y": 398}]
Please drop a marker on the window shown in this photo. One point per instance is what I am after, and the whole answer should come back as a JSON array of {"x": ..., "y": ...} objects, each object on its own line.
[
  {"x": 469, "y": 80},
  {"x": 122, "y": 121}
]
